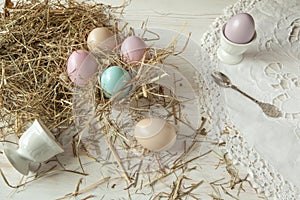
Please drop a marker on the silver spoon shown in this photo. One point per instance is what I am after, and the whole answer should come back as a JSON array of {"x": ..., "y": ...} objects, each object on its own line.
[{"x": 223, "y": 81}]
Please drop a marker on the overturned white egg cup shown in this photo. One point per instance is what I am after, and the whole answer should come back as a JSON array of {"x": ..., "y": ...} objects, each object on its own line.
[
  {"x": 37, "y": 144},
  {"x": 232, "y": 53}
]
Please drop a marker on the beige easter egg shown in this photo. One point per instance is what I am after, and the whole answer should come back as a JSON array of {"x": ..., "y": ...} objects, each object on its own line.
[
  {"x": 101, "y": 39},
  {"x": 155, "y": 134}
]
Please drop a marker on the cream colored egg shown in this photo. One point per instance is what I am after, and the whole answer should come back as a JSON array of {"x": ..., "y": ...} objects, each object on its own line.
[
  {"x": 101, "y": 39},
  {"x": 155, "y": 134}
]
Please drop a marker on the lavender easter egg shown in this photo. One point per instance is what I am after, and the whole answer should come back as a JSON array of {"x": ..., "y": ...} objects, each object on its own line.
[
  {"x": 133, "y": 49},
  {"x": 240, "y": 28},
  {"x": 81, "y": 67}
]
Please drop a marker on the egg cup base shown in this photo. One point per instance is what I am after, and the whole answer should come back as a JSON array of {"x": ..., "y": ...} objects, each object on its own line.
[
  {"x": 227, "y": 58},
  {"x": 20, "y": 163}
]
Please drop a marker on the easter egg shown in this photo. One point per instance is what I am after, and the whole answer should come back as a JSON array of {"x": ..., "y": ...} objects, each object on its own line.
[
  {"x": 133, "y": 49},
  {"x": 81, "y": 67},
  {"x": 155, "y": 134},
  {"x": 114, "y": 80},
  {"x": 240, "y": 28},
  {"x": 101, "y": 39}
]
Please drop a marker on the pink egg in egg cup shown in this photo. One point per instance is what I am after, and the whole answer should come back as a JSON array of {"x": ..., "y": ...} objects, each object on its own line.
[{"x": 232, "y": 53}]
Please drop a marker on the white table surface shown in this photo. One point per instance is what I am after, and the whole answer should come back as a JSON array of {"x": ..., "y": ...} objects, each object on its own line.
[{"x": 167, "y": 14}]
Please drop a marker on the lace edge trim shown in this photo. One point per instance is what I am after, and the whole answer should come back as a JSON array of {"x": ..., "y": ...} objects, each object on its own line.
[{"x": 281, "y": 189}]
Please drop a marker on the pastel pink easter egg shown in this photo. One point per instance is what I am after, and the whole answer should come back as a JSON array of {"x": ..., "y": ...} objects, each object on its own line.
[
  {"x": 81, "y": 67},
  {"x": 133, "y": 49},
  {"x": 240, "y": 28}
]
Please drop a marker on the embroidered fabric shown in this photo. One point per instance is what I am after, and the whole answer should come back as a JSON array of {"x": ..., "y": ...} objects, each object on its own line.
[{"x": 268, "y": 148}]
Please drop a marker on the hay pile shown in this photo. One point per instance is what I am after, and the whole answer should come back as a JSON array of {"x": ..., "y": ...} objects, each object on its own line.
[{"x": 36, "y": 39}]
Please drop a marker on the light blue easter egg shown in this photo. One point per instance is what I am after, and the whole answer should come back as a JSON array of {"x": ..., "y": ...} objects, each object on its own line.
[{"x": 115, "y": 79}]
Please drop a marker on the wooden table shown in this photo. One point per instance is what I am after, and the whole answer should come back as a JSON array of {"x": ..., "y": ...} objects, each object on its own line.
[{"x": 190, "y": 16}]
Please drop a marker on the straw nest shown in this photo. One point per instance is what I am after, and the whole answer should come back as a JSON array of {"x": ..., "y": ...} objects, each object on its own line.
[{"x": 36, "y": 39}]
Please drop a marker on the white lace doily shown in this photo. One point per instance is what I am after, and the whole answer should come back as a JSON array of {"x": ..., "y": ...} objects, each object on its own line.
[{"x": 270, "y": 72}]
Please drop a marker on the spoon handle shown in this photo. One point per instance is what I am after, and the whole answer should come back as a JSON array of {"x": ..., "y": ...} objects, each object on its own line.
[
  {"x": 244, "y": 93},
  {"x": 269, "y": 109}
]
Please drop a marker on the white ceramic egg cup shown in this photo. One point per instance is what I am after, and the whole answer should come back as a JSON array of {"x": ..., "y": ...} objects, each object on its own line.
[
  {"x": 232, "y": 53},
  {"x": 37, "y": 144}
]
